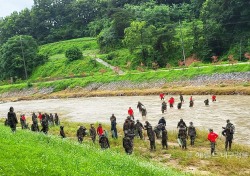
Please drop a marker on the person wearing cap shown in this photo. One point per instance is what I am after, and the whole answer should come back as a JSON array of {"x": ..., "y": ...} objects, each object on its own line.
[
  {"x": 81, "y": 132},
  {"x": 191, "y": 133},
  {"x": 92, "y": 132},
  {"x": 100, "y": 130},
  {"x": 62, "y": 134},
  {"x": 212, "y": 138},
  {"x": 12, "y": 120}
]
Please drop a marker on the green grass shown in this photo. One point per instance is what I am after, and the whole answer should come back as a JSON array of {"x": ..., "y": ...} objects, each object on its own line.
[
  {"x": 59, "y": 67},
  {"x": 84, "y": 44},
  {"x": 27, "y": 153}
]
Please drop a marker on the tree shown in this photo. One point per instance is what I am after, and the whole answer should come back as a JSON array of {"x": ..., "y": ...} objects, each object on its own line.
[
  {"x": 73, "y": 53},
  {"x": 18, "y": 56},
  {"x": 139, "y": 36}
]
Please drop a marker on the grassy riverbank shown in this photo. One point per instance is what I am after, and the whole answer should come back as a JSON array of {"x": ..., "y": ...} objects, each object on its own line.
[
  {"x": 195, "y": 160},
  {"x": 26, "y": 153}
]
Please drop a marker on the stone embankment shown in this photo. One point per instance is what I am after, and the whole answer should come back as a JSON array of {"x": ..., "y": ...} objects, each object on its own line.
[{"x": 220, "y": 80}]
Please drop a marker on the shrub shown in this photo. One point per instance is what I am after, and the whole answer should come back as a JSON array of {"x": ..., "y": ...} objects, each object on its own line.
[{"x": 73, "y": 53}]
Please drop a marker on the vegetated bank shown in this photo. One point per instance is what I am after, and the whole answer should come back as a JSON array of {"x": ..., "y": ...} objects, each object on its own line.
[
  {"x": 29, "y": 153},
  {"x": 233, "y": 79}
]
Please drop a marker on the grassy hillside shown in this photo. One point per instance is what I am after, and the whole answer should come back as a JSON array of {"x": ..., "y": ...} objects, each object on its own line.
[
  {"x": 83, "y": 44},
  {"x": 26, "y": 153}
]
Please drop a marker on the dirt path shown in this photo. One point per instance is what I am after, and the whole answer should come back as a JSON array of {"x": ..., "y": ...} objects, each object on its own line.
[{"x": 120, "y": 72}]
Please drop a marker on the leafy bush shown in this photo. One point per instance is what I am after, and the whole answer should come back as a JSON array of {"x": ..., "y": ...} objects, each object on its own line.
[{"x": 73, "y": 53}]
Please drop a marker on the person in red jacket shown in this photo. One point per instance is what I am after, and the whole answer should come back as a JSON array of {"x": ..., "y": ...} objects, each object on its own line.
[
  {"x": 212, "y": 138},
  {"x": 213, "y": 98},
  {"x": 162, "y": 95},
  {"x": 40, "y": 117},
  {"x": 99, "y": 130},
  {"x": 131, "y": 112},
  {"x": 171, "y": 102}
]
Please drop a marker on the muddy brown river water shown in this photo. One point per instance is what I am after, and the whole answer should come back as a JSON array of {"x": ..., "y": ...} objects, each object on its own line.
[{"x": 99, "y": 109}]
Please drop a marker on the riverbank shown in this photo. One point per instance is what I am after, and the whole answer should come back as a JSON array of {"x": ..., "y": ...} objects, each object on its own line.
[
  {"x": 195, "y": 160},
  {"x": 220, "y": 84}
]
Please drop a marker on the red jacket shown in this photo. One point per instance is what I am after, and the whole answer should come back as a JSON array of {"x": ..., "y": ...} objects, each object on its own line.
[
  {"x": 40, "y": 116},
  {"x": 130, "y": 112},
  {"x": 213, "y": 97},
  {"x": 162, "y": 95},
  {"x": 171, "y": 101},
  {"x": 212, "y": 137},
  {"x": 99, "y": 131},
  {"x": 23, "y": 118}
]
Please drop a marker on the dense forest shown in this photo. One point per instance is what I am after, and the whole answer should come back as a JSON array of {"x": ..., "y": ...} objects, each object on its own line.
[{"x": 156, "y": 31}]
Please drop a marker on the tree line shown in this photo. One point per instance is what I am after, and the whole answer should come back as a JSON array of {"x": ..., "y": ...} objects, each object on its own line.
[{"x": 160, "y": 31}]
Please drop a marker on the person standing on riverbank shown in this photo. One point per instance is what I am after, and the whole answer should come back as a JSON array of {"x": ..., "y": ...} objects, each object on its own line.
[
  {"x": 212, "y": 138},
  {"x": 104, "y": 142},
  {"x": 99, "y": 130},
  {"x": 12, "y": 120},
  {"x": 92, "y": 132},
  {"x": 191, "y": 133},
  {"x": 45, "y": 124},
  {"x": 81, "y": 132},
  {"x": 57, "y": 121},
  {"x": 62, "y": 134}
]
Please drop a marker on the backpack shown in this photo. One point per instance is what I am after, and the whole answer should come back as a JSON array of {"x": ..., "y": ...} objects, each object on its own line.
[{"x": 231, "y": 128}]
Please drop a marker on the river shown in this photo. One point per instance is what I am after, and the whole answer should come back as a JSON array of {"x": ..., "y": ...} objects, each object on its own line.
[{"x": 99, "y": 109}]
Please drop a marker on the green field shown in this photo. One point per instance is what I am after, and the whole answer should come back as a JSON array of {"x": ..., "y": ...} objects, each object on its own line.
[{"x": 27, "y": 153}]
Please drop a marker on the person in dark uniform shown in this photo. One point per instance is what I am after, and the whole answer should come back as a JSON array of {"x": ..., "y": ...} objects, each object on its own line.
[
  {"x": 12, "y": 120},
  {"x": 34, "y": 117},
  {"x": 34, "y": 126},
  {"x": 81, "y": 133},
  {"x": 151, "y": 135},
  {"x": 138, "y": 128},
  {"x": 181, "y": 98},
  {"x": 163, "y": 107},
  {"x": 206, "y": 102},
  {"x": 57, "y": 122},
  {"x": 104, "y": 142},
  {"x": 162, "y": 121},
  {"x": 191, "y": 133},
  {"x": 45, "y": 124},
  {"x": 62, "y": 134},
  {"x": 92, "y": 132},
  {"x": 179, "y": 105},
  {"x": 182, "y": 135},
  {"x": 228, "y": 132},
  {"x": 164, "y": 140},
  {"x": 181, "y": 122},
  {"x": 128, "y": 144}
]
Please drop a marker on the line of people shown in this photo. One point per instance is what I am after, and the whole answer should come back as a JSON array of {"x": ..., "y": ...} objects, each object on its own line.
[{"x": 130, "y": 129}]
